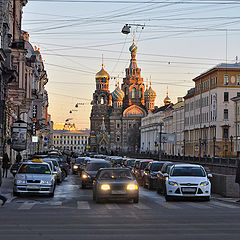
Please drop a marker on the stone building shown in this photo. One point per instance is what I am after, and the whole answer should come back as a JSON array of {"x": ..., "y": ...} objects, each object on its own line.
[
  {"x": 209, "y": 114},
  {"x": 116, "y": 117}
]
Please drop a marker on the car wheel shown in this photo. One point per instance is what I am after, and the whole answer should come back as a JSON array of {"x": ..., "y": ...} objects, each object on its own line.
[
  {"x": 64, "y": 175},
  {"x": 97, "y": 199},
  {"x": 136, "y": 200},
  {"x": 94, "y": 196},
  {"x": 207, "y": 199},
  {"x": 16, "y": 194},
  {"x": 83, "y": 186},
  {"x": 168, "y": 198},
  {"x": 52, "y": 194},
  {"x": 144, "y": 183},
  {"x": 150, "y": 185}
]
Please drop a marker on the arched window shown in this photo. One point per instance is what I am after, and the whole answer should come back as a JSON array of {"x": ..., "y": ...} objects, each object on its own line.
[
  {"x": 133, "y": 92},
  {"x": 102, "y": 100},
  {"x": 140, "y": 93},
  {"x": 125, "y": 91}
]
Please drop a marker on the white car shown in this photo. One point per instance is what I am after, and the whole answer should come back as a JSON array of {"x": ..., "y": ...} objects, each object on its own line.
[{"x": 188, "y": 180}]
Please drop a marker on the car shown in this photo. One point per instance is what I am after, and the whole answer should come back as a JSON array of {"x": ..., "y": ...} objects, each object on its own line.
[
  {"x": 115, "y": 184},
  {"x": 116, "y": 161},
  {"x": 188, "y": 180},
  {"x": 55, "y": 167},
  {"x": 36, "y": 177},
  {"x": 139, "y": 172},
  {"x": 76, "y": 164},
  {"x": 150, "y": 174},
  {"x": 65, "y": 167},
  {"x": 129, "y": 163},
  {"x": 90, "y": 171}
]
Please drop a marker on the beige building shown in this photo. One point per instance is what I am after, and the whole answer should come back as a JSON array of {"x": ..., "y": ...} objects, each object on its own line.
[
  {"x": 209, "y": 113},
  {"x": 74, "y": 140}
]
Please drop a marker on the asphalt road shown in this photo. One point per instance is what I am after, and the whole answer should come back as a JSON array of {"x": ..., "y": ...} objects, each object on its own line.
[{"x": 72, "y": 215}]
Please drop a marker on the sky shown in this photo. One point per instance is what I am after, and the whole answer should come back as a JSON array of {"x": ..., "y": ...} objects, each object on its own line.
[{"x": 179, "y": 41}]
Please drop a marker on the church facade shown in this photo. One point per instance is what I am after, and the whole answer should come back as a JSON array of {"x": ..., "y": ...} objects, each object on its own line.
[{"x": 116, "y": 117}]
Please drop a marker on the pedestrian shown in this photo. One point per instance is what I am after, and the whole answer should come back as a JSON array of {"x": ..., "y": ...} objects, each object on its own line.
[
  {"x": 18, "y": 158},
  {"x": 1, "y": 196},
  {"x": 237, "y": 180},
  {"x": 5, "y": 164}
]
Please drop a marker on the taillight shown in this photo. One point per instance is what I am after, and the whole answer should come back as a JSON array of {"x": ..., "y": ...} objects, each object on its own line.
[{"x": 67, "y": 164}]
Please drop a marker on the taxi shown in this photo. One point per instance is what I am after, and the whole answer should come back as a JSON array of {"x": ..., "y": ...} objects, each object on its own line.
[{"x": 35, "y": 177}]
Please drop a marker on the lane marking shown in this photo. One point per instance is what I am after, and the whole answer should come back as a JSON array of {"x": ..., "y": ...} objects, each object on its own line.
[
  {"x": 26, "y": 205},
  {"x": 112, "y": 206},
  {"x": 83, "y": 205},
  {"x": 219, "y": 204},
  {"x": 141, "y": 206},
  {"x": 56, "y": 203},
  {"x": 167, "y": 205}
]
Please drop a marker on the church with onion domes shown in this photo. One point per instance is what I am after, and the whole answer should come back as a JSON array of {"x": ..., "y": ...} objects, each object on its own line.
[{"x": 116, "y": 117}]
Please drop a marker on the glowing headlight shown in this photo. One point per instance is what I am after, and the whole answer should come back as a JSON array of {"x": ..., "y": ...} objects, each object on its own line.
[
  {"x": 173, "y": 183},
  {"x": 20, "y": 182},
  {"x": 132, "y": 187},
  {"x": 105, "y": 187},
  {"x": 75, "y": 167},
  {"x": 84, "y": 176},
  {"x": 204, "y": 183}
]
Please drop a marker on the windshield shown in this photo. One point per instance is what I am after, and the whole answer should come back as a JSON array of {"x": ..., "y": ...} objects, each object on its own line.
[
  {"x": 96, "y": 166},
  {"x": 55, "y": 163},
  {"x": 49, "y": 163},
  {"x": 143, "y": 165},
  {"x": 156, "y": 167},
  {"x": 79, "y": 160},
  {"x": 130, "y": 162},
  {"x": 35, "y": 169},
  {"x": 188, "y": 171},
  {"x": 115, "y": 174}
]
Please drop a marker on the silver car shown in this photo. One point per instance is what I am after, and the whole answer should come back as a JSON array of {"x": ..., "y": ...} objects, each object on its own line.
[
  {"x": 54, "y": 165},
  {"x": 34, "y": 177}
]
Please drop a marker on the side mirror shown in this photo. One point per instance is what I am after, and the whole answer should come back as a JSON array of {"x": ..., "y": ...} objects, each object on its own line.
[
  {"x": 209, "y": 175},
  {"x": 165, "y": 175}
]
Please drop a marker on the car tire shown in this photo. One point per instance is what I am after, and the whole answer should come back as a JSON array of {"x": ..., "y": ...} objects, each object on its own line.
[
  {"x": 94, "y": 196},
  {"x": 144, "y": 183},
  {"x": 136, "y": 200},
  {"x": 52, "y": 194},
  {"x": 97, "y": 199},
  {"x": 150, "y": 185},
  {"x": 64, "y": 175},
  {"x": 168, "y": 198},
  {"x": 16, "y": 194},
  {"x": 206, "y": 199},
  {"x": 83, "y": 186}
]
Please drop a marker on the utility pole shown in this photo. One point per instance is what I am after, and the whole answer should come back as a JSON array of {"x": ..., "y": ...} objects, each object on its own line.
[
  {"x": 214, "y": 146},
  {"x": 160, "y": 141}
]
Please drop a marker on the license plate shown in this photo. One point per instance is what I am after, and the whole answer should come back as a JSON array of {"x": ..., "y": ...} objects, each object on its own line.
[
  {"x": 188, "y": 190},
  {"x": 33, "y": 187},
  {"x": 118, "y": 191}
]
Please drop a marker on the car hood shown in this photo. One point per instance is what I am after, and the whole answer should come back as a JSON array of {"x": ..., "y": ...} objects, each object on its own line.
[
  {"x": 33, "y": 177},
  {"x": 92, "y": 173},
  {"x": 194, "y": 180},
  {"x": 117, "y": 181}
]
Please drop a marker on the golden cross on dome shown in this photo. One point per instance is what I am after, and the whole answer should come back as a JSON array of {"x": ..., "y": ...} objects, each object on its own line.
[{"x": 102, "y": 61}]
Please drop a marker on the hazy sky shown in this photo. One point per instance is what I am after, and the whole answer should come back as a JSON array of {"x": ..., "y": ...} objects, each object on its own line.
[{"x": 179, "y": 42}]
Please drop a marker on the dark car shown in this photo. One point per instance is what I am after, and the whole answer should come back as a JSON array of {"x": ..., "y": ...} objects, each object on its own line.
[
  {"x": 115, "y": 184},
  {"x": 139, "y": 172},
  {"x": 64, "y": 166},
  {"x": 161, "y": 176},
  {"x": 90, "y": 171},
  {"x": 150, "y": 174},
  {"x": 129, "y": 163},
  {"x": 77, "y": 164}
]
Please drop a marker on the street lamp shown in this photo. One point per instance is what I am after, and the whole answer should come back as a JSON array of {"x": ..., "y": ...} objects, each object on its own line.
[
  {"x": 73, "y": 110},
  {"x": 77, "y": 104},
  {"x": 231, "y": 139},
  {"x": 160, "y": 141},
  {"x": 214, "y": 146},
  {"x": 184, "y": 145},
  {"x": 127, "y": 27},
  {"x": 200, "y": 146}
]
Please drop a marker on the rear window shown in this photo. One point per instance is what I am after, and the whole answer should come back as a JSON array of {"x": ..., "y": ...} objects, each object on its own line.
[
  {"x": 130, "y": 162},
  {"x": 115, "y": 174},
  {"x": 143, "y": 165},
  {"x": 188, "y": 171},
  {"x": 96, "y": 166},
  {"x": 34, "y": 169},
  {"x": 156, "y": 166}
]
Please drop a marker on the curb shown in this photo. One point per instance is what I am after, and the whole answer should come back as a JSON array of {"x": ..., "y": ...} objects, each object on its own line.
[{"x": 225, "y": 201}]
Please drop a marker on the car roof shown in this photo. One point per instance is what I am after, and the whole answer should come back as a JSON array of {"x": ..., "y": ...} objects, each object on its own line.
[
  {"x": 32, "y": 163},
  {"x": 188, "y": 165},
  {"x": 146, "y": 160},
  {"x": 98, "y": 161},
  {"x": 115, "y": 169}
]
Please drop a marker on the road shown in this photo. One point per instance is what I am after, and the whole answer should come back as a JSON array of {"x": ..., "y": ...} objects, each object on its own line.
[{"x": 72, "y": 215}]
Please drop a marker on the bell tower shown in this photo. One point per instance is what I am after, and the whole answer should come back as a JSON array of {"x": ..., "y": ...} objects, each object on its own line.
[{"x": 133, "y": 85}]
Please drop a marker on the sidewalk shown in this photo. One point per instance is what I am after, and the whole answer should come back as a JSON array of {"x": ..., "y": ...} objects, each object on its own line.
[
  {"x": 224, "y": 199},
  {"x": 7, "y": 187}
]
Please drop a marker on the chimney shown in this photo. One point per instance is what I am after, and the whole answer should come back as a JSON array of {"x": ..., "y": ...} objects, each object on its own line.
[{"x": 179, "y": 99}]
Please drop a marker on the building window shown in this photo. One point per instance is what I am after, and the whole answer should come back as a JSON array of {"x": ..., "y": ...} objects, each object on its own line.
[
  {"x": 226, "y": 79},
  {"x": 133, "y": 92},
  {"x": 225, "y": 132},
  {"x": 226, "y": 97},
  {"x": 118, "y": 138},
  {"x": 238, "y": 80},
  {"x": 225, "y": 114},
  {"x": 118, "y": 125}
]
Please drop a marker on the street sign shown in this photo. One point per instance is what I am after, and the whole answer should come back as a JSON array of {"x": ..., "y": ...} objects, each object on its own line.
[
  {"x": 196, "y": 148},
  {"x": 19, "y": 135}
]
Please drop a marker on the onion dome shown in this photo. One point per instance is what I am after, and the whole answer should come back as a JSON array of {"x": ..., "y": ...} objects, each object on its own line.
[
  {"x": 102, "y": 74},
  {"x": 133, "y": 48},
  {"x": 118, "y": 94},
  {"x": 150, "y": 93},
  {"x": 167, "y": 100}
]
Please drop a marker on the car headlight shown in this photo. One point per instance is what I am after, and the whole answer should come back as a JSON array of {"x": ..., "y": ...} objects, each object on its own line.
[
  {"x": 175, "y": 184},
  {"x": 75, "y": 167},
  {"x": 132, "y": 186},
  {"x": 204, "y": 183},
  {"x": 46, "y": 182},
  {"x": 84, "y": 176},
  {"x": 105, "y": 187},
  {"x": 20, "y": 181}
]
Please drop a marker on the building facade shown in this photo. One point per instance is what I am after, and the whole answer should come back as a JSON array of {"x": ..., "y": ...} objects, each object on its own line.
[
  {"x": 116, "y": 117},
  {"x": 209, "y": 119}
]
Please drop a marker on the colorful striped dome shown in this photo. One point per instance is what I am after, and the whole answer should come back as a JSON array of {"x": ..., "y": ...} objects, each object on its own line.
[
  {"x": 150, "y": 93},
  {"x": 118, "y": 94},
  {"x": 133, "y": 48}
]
